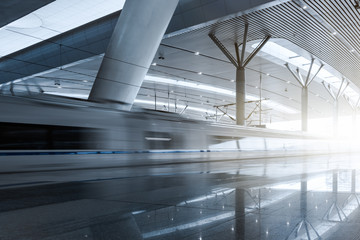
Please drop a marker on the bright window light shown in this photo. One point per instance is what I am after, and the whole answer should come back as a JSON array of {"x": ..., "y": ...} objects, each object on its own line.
[{"x": 287, "y": 55}]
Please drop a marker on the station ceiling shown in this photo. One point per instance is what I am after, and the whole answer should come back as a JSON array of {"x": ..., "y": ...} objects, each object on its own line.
[{"x": 66, "y": 64}]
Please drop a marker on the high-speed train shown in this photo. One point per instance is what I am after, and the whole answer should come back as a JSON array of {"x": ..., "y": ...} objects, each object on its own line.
[{"x": 57, "y": 123}]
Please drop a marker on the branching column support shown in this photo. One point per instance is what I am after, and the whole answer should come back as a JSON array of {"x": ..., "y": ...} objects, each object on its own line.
[
  {"x": 240, "y": 63},
  {"x": 354, "y": 107},
  {"x": 304, "y": 91},
  {"x": 336, "y": 95}
]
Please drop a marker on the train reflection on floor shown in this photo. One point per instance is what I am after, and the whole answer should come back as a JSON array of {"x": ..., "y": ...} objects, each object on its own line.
[
  {"x": 321, "y": 204},
  {"x": 324, "y": 206}
]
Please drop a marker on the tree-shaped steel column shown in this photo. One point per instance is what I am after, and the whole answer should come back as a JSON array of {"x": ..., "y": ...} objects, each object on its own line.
[
  {"x": 304, "y": 91},
  {"x": 240, "y": 63},
  {"x": 354, "y": 107},
  {"x": 336, "y": 95}
]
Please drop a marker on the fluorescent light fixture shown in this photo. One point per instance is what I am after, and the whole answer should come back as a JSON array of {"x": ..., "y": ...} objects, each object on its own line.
[
  {"x": 158, "y": 139},
  {"x": 188, "y": 84},
  {"x": 72, "y": 95},
  {"x": 204, "y": 87},
  {"x": 196, "y": 109}
]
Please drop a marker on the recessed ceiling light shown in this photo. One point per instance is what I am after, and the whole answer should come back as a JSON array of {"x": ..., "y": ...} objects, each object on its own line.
[
  {"x": 352, "y": 50},
  {"x": 268, "y": 74},
  {"x": 304, "y": 7},
  {"x": 334, "y": 33},
  {"x": 196, "y": 53},
  {"x": 232, "y": 80},
  {"x": 153, "y": 64},
  {"x": 288, "y": 82},
  {"x": 85, "y": 80},
  {"x": 200, "y": 73}
]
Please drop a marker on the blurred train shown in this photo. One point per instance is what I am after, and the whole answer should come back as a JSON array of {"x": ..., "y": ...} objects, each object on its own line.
[{"x": 56, "y": 123}]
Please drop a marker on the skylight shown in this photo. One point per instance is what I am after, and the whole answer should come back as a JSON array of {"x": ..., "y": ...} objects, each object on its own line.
[{"x": 302, "y": 63}]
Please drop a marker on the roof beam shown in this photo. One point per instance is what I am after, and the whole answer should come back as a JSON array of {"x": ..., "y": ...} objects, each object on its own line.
[
  {"x": 256, "y": 50},
  {"x": 294, "y": 74},
  {"x": 223, "y": 49},
  {"x": 244, "y": 44},
  {"x": 312, "y": 79}
]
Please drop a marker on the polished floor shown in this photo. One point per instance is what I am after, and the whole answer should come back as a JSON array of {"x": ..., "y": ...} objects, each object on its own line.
[{"x": 313, "y": 197}]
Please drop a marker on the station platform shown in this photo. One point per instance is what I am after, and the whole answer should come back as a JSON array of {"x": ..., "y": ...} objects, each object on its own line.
[{"x": 269, "y": 197}]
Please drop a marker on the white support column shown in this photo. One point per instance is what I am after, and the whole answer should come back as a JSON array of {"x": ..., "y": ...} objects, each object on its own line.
[
  {"x": 304, "y": 91},
  {"x": 136, "y": 38},
  {"x": 240, "y": 63},
  {"x": 336, "y": 95}
]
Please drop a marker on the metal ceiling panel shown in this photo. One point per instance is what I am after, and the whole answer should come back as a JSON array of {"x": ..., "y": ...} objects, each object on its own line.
[{"x": 292, "y": 22}]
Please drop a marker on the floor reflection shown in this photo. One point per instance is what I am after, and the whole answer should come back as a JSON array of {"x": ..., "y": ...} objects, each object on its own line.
[
  {"x": 312, "y": 207},
  {"x": 278, "y": 198}
]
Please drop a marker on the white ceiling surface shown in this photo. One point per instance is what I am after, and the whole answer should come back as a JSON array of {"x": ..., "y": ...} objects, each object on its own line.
[
  {"x": 51, "y": 20},
  {"x": 188, "y": 88},
  {"x": 178, "y": 82}
]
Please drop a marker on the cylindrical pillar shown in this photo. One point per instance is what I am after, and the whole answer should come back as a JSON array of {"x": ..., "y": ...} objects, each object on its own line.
[
  {"x": 304, "y": 109},
  {"x": 336, "y": 117},
  {"x": 132, "y": 47},
  {"x": 240, "y": 96}
]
